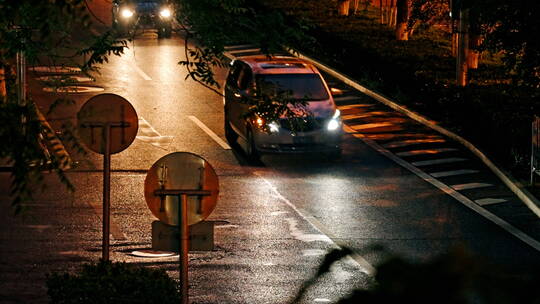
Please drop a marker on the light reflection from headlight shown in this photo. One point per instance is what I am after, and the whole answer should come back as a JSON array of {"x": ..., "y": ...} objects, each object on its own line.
[
  {"x": 165, "y": 13},
  {"x": 126, "y": 13}
]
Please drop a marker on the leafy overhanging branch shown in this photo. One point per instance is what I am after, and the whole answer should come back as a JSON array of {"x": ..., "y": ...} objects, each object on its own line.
[
  {"x": 212, "y": 25},
  {"x": 54, "y": 33}
]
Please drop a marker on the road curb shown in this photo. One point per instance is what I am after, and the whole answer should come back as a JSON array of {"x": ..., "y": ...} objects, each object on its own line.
[{"x": 525, "y": 196}]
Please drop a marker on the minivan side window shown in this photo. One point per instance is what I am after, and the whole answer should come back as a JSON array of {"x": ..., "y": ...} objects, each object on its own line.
[
  {"x": 244, "y": 79},
  {"x": 234, "y": 73}
]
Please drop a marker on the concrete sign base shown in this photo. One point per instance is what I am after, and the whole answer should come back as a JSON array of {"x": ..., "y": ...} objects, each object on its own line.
[{"x": 165, "y": 237}]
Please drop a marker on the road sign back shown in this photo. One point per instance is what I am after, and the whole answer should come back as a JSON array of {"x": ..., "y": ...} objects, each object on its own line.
[
  {"x": 181, "y": 170},
  {"x": 107, "y": 111}
]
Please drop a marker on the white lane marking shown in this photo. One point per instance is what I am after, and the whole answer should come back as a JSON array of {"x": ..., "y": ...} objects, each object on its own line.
[
  {"x": 453, "y": 173},
  {"x": 490, "y": 201},
  {"x": 425, "y": 151},
  {"x": 148, "y": 134},
  {"x": 346, "y": 98},
  {"x": 438, "y": 161},
  {"x": 210, "y": 133},
  {"x": 404, "y": 143},
  {"x": 458, "y": 196},
  {"x": 468, "y": 186},
  {"x": 358, "y": 260},
  {"x": 141, "y": 72},
  {"x": 372, "y": 126},
  {"x": 305, "y": 237},
  {"x": 322, "y": 300}
]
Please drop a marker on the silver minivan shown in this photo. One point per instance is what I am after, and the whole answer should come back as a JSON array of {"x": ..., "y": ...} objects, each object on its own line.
[{"x": 292, "y": 85}]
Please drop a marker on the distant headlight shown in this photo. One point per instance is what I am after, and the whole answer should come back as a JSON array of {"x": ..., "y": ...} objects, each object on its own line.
[
  {"x": 165, "y": 13},
  {"x": 334, "y": 123},
  {"x": 126, "y": 13},
  {"x": 274, "y": 127}
]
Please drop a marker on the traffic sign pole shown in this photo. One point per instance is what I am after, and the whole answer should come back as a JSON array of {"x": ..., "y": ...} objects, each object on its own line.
[
  {"x": 119, "y": 124},
  {"x": 184, "y": 247},
  {"x": 106, "y": 192}
]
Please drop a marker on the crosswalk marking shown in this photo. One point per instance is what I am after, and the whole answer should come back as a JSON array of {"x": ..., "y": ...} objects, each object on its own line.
[
  {"x": 355, "y": 106},
  {"x": 425, "y": 151},
  {"x": 372, "y": 125},
  {"x": 346, "y": 98},
  {"x": 490, "y": 201},
  {"x": 363, "y": 115},
  {"x": 438, "y": 161},
  {"x": 453, "y": 173},
  {"x": 148, "y": 134},
  {"x": 470, "y": 186},
  {"x": 409, "y": 142}
]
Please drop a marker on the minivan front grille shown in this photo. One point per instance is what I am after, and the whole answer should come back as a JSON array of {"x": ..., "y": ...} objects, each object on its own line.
[{"x": 301, "y": 124}]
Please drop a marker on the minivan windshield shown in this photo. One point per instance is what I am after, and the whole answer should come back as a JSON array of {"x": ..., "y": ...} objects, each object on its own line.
[{"x": 292, "y": 86}]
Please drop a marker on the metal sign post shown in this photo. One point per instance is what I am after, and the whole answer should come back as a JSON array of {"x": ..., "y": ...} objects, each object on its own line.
[
  {"x": 184, "y": 232},
  {"x": 181, "y": 189},
  {"x": 118, "y": 122}
]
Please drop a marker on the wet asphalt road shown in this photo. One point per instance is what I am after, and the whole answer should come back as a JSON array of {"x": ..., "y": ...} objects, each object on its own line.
[{"x": 274, "y": 220}]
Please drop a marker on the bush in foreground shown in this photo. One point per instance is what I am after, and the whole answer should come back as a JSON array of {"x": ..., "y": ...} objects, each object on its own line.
[{"x": 107, "y": 282}]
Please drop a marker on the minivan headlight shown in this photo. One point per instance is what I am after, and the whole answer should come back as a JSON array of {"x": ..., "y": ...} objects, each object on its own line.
[
  {"x": 126, "y": 13},
  {"x": 273, "y": 127},
  {"x": 335, "y": 122},
  {"x": 165, "y": 13}
]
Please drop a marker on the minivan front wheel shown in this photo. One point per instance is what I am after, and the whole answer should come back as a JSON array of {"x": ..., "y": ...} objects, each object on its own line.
[{"x": 251, "y": 149}]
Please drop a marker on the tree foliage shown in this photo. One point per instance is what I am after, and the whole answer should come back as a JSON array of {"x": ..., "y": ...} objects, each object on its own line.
[
  {"x": 511, "y": 28},
  {"x": 53, "y": 33},
  {"x": 215, "y": 24}
]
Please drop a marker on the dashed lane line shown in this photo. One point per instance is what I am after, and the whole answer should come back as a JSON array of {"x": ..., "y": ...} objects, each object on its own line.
[{"x": 210, "y": 133}]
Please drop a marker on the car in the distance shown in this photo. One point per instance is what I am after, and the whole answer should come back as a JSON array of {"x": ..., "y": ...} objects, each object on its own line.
[
  {"x": 129, "y": 15},
  {"x": 283, "y": 80}
]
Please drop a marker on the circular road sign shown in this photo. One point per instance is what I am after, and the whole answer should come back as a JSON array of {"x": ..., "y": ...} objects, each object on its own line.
[
  {"x": 186, "y": 171},
  {"x": 107, "y": 111}
]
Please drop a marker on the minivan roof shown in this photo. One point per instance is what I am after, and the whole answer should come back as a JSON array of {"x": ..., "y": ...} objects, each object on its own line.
[{"x": 262, "y": 64}]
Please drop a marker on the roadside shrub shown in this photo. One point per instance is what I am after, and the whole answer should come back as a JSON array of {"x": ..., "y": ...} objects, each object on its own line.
[{"x": 107, "y": 282}]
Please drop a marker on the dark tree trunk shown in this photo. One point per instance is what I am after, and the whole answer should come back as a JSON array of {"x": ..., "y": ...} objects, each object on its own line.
[{"x": 402, "y": 19}]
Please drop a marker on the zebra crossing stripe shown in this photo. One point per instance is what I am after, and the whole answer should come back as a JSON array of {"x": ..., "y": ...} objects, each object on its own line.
[
  {"x": 490, "y": 201},
  {"x": 453, "y": 173},
  {"x": 426, "y": 151},
  {"x": 469, "y": 186},
  {"x": 438, "y": 161},
  {"x": 404, "y": 143}
]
